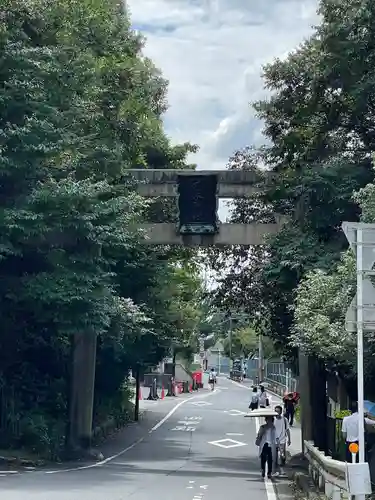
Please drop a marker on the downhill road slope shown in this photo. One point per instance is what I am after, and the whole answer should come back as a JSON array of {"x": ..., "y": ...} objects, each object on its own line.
[{"x": 202, "y": 450}]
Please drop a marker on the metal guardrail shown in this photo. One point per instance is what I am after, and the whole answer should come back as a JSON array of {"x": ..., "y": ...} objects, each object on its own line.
[
  {"x": 275, "y": 387},
  {"x": 328, "y": 475}
]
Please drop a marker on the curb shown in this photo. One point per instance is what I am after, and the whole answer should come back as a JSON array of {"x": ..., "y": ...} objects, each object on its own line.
[
  {"x": 21, "y": 462},
  {"x": 305, "y": 486}
]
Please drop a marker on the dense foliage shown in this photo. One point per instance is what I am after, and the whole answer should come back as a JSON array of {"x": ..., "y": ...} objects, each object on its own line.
[
  {"x": 80, "y": 105},
  {"x": 319, "y": 126}
]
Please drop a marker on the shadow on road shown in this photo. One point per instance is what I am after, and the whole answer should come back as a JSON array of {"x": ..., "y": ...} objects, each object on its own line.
[{"x": 174, "y": 458}]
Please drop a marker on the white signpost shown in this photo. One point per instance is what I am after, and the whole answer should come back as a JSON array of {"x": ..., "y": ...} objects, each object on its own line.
[{"x": 360, "y": 318}]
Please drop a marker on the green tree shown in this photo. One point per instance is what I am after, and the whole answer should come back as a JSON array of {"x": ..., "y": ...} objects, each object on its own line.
[
  {"x": 80, "y": 106},
  {"x": 316, "y": 121},
  {"x": 245, "y": 343}
]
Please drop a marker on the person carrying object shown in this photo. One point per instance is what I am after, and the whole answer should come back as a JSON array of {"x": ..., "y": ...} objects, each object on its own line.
[{"x": 266, "y": 441}]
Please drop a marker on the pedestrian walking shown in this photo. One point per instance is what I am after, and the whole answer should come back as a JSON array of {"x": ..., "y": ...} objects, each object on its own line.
[
  {"x": 263, "y": 398},
  {"x": 266, "y": 440},
  {"x": 254, "y": 403},
  {"x": 282, "y": 437},
  {"x": 290, "y": 408}
]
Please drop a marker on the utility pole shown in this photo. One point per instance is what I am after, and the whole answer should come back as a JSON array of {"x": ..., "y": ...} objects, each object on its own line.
[{"x": 230, "y": 336}]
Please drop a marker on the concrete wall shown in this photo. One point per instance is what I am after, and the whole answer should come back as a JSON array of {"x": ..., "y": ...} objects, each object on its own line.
[{"x": 182, "y": 375}]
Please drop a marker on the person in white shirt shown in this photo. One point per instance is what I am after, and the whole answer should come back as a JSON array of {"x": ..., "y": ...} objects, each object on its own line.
[
  {"x": 263, "y": 398},
  {"x": 266, "y": 440},
  {"x": 282, "y": 436},
  {"x": 254, "y": 403},
  {"x": 212, "y": 378},
  {"x": 350, "y": 429}
]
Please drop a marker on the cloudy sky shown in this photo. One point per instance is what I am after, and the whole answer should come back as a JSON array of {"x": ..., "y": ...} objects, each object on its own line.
[{"x": 212, "y": 53}]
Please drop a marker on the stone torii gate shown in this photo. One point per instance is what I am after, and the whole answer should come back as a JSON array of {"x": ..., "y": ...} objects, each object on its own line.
[{"x": 198, "y": 191}]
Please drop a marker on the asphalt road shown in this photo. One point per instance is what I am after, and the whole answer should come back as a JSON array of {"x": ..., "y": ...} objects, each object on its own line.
[{"x": 204, "y": 450}]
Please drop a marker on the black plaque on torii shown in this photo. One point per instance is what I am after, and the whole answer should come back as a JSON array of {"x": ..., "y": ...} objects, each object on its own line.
[{"x": 197, "y": 204}]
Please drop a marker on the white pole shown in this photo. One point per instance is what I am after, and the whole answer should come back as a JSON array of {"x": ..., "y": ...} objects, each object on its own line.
[
  {"x": 361, "y": 423},
  {"x": 261, "y": 361},
  {"x": 219, "y": 369}
]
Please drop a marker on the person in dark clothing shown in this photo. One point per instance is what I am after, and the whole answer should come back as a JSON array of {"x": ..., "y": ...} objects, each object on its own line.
[{"x": 290, "y": 408}]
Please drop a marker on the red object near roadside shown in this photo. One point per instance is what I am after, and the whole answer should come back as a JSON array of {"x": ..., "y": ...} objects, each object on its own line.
[
  {"x": 197, "y": 376},
  {"x": 294, "y": 396}
]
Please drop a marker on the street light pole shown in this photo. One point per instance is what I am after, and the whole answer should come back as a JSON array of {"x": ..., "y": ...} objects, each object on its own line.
[
  {"x": 260, "y": 357},
  {"x": 360, "y": 383},
  {"x": 230, "y": 336}
]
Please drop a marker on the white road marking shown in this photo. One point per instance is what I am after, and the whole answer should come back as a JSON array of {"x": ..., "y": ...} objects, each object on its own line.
[
  {"x": 231, "y": 443},
  {"x": 184, "y": 428},
  {"x": 233, "y": 434},
  {"x": 188, "y": 422},
  {"x": 270, "y": 489},
  {"x": 236, "y": 413},
  {"x": 238, "y": 384},
  {"x": 122, "y": 452},
  {"x": 201, "y": 403},
  {"x": 179, "y": 428}
]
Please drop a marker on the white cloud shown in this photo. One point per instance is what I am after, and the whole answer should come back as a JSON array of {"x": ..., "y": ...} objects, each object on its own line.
[{"x": 212, "y": 53}]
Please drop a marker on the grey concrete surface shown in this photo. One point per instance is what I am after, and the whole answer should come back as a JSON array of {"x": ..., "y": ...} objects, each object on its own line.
[{"x": 178, "y": 460}]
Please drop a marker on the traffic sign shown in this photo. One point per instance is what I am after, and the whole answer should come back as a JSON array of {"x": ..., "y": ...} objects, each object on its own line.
[{"x": 368, "y": 260}]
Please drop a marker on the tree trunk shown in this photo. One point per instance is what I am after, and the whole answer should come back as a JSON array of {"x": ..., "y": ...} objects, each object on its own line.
[{"x": 83, "y": 386}]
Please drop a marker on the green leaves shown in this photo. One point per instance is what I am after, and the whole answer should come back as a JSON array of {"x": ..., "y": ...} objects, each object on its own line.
[
  {"x": 80, "y": 105},
  {"x": 318, "y": 124},
  {"x": 321, "y": 304}
]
